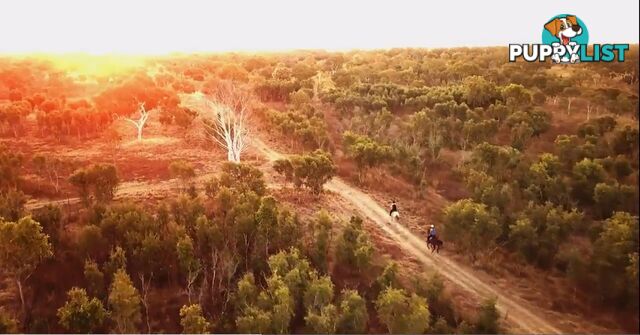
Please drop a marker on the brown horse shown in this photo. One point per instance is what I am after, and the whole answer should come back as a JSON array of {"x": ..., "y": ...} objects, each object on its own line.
[{"x": 434, "y": 244}]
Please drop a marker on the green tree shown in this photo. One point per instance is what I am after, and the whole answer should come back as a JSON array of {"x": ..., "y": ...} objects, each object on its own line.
[
  {"x": 101, "y": 180},
  {"x": 50, "y": 218},
  {"x": 389, "y": 275},
  {"x": 192, "y": 320},
  {"x": 586, "y": 175},
  {"x": 12, "y": 205},
  {"x": 321, "y": 314},
  {"x": 81, "y": 314},
  {"x": 238, "y": 177},
  {"x": 8, "y": 325},
  {"x": 366, "y": 152},
  {"x": 401, "y": 313},
  {"x": 488, "y": 318},
  {"x": 613, "y": 254},
  {"x": 189, "y": 262},
  {"x": 94, "y": 277},
  {"x": 23, "y": 246},
  {"x": 353, "y": 314},
  {"x": 625, "y": 141},
  {"x": 478, "y": 92},
  {"x": 516, "y": 95},
  {"x": 322, "y": 225},
  {"x": 613, "y": 197},
  {"x": 124, "y": 302},
  {"x": 117, "y": 261},
  {"x": 313, "y": 170},
  {"x": 471, "y": 226},
  {"x": 284, "y": 168},
  {"x": 353, "y": 248},
  {"x": 11, "y": 166},
  {"x": 183, "y": 171}
]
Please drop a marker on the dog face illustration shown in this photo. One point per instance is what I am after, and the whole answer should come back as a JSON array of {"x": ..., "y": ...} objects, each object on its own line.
[{"x": 564, "y": 28}]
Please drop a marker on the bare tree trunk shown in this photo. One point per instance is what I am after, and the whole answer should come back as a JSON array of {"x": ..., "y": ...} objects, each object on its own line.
[
  {"x": 24, "y": 310},
  {"x": 145, "y": 291},
  {"x": 141, "y": 121}
]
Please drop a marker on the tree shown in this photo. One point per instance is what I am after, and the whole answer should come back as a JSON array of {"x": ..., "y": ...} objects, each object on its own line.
[
  {"x": 12, "y": 205},
  {"x": 124, "y": 301},
  {"x": 353, "y": 314},
  {"x": 8, "y": 325},
  {"x": 388, "y": 278},
  {"x": 625, "y": 141},
  {"x": 402, "y": 314},
  {"x": 613, "y": 254},
  {"x": 181, "y": 169},
  {"x": 515, "y": 94},
  {"x": 478, "y": 92},
  {"x": 117, "y": 261},
  {"x": 365, "y": 151},
  {"x": 313, "y": 170},
  {"x": 10, "y": 165},
  {"x": 353, "y": 248},
  {"x": 571, "y": 93},
  {"x": 141, "y": 121},
  {"x": 228, "y": 115},
  {"x": 94, "y": 277},
  {"x": 192, "y": 321},
  {"x": 323, "y": 321},
  {"x": 184, "y": 171},
  {"x": 470, "y": 225},
  {"x": 51, "y": 166},
  {"x": 488, "y": 318},
  {"x": 284, "y": 168},
  {"x": 321, "y": 313},
  {"x": 101, "y": 180},
  {"x": 81, "y": 314},
  {"x": 189, "y": 262},
  {"x": 586, "y": 175},
  {"x": 23, "y": 246},
  {"x": 240, "y": 178},
  {"x": 322, "y": 225},
  {"x": 613, "y": 197}
]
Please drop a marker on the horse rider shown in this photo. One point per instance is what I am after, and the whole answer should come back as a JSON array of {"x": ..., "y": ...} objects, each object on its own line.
[
  {"x": 394, "y": 208},
  {"x": 432, "y": 233}
]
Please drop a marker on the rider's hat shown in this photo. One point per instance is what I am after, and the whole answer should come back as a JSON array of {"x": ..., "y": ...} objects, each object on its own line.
[{"x": 432, "y": 226}]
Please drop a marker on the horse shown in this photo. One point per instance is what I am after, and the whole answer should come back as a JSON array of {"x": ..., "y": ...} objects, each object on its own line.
[
  {"x": 395, "y": 216},
  {"x": 434, "y": 244}
]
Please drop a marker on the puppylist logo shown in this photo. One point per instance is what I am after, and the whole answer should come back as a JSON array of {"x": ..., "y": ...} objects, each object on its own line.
[{"x": 565, "y": 40}]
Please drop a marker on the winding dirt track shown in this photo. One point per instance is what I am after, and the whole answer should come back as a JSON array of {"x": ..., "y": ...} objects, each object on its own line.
[{"x": 520, "y": 314}]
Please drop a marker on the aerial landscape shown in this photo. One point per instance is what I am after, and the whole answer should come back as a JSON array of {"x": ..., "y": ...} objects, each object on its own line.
[{"x": 300, "y": 191}]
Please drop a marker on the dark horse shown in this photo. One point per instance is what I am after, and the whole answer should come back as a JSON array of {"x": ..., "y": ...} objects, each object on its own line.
[{"x": 434, "y": 244}]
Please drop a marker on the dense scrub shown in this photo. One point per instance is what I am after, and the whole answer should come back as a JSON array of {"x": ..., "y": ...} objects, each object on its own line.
[{"x": 547, "y": 156}]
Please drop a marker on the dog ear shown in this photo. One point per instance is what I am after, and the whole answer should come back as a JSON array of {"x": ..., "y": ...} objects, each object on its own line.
[
  {"x": 572, "y": 19},
  {"x": 553, "y": 26}
]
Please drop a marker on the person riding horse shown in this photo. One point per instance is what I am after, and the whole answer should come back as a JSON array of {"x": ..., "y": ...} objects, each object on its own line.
[
  {"x": 433, "y": 242},
  {"x": 394, "y": 210},
  {"x": 432, "y": 233}
]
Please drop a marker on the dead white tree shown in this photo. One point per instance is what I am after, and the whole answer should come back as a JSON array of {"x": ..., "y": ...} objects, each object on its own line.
[
  {"x": 225, "y": 116},
  {"x": 140, "y": 122}
]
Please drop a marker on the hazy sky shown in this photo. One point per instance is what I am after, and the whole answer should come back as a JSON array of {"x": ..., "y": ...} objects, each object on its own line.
[{"x": 189, "y": 25}]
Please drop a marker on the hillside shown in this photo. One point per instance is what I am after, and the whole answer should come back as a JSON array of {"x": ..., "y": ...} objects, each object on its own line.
[{"x": 528, "y": 171}]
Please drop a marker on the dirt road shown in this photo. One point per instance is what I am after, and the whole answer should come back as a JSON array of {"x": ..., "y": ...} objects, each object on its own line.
[{"x": 521, "y": 316}]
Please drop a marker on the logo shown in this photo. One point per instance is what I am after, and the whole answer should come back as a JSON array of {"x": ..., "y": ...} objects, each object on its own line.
[{"x": 565, "y": 40}]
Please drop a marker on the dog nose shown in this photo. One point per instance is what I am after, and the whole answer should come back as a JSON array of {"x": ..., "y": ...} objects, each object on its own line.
[{"x": 576, "y": 28}]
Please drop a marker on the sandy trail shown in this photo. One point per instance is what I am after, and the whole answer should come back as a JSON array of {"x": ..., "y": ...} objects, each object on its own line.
[{"x": 520, "y": 315}]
